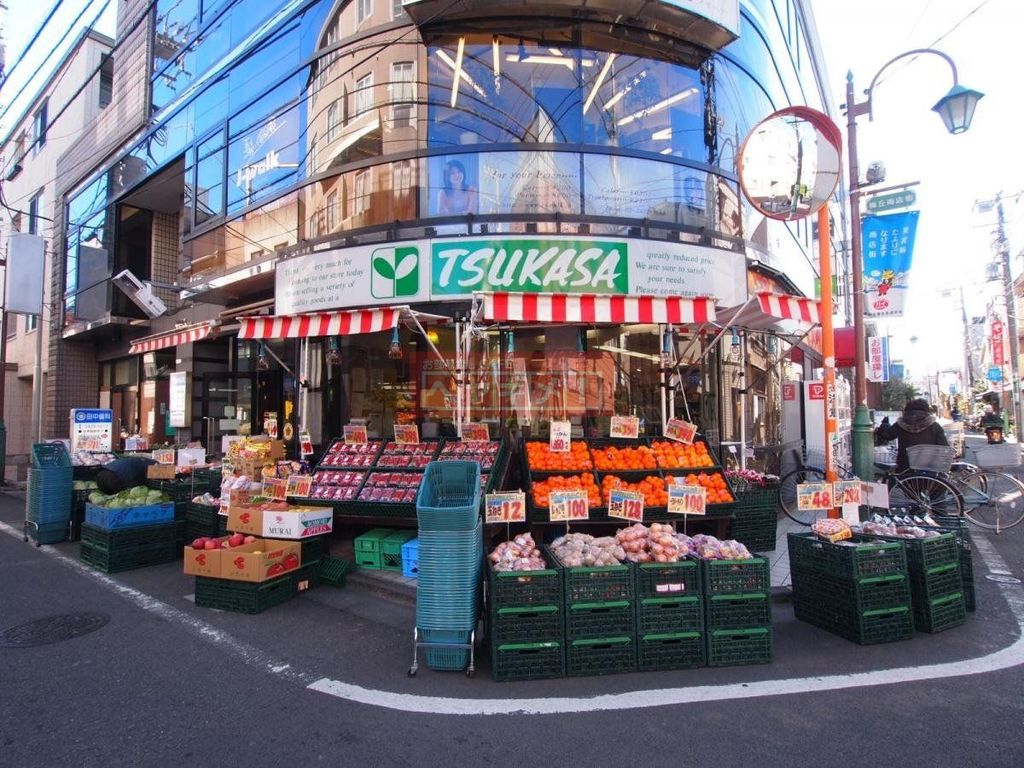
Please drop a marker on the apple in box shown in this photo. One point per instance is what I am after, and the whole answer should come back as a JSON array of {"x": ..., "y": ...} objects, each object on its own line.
[{"x": 261, "y": 560}]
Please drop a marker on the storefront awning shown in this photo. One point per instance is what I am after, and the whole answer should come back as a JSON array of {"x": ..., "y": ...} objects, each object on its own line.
[
  {"x": 304, "y": 326},
  {"x": 571, "y": 308},
  {"x": 790, "y": 307},
  {"x": 184, "y": 335},
  {"x": 775, "y": 313}
]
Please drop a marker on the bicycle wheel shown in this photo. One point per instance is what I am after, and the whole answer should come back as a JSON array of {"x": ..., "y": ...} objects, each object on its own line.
[
  {"x": 993, "y": 500},
  {"x": 924, "y": 494},
  {"x": 787, "y": 494}
]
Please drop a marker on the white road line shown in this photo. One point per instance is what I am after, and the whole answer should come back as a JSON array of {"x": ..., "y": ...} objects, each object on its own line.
[{"x": 1011, "y": 656}]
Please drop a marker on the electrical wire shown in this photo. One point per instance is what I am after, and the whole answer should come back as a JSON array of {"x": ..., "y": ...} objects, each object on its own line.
[{"x": 7, "y": 75}]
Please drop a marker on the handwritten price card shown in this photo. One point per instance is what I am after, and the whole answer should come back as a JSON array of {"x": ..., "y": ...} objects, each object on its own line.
[
  {"x": 560, "y": 436},
  {"x": 474, "y": 432},
  {"x": 305, "y": 444},
  {"x": 355, "y": 434},
  {"x": 407, "y": 434},
  {"x": 625, "y": 426},
  {"x": 568, "y": 506},
  {"x": 505, "y": 507},
  {"x": 299, "y": 485},
  {"x": 276, "y": 488},
  {"x": 687, "y": 499},
  {"x": 626, "y": 505},
  {"x": 847, "y": 492},
  {"x": 680, "y": 431},
  {"x": 814, "y": 496},
  {"x": 163, "y": 455}
]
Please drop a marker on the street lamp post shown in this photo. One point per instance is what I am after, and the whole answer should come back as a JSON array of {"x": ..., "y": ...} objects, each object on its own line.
[{"x": 956, "y": 109}]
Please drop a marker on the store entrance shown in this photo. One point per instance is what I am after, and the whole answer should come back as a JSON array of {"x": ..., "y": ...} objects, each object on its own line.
[{"x": 234, "y": 404}]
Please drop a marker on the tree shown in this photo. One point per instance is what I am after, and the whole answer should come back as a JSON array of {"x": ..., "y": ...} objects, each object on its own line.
[{"x": 896, "y": 393}]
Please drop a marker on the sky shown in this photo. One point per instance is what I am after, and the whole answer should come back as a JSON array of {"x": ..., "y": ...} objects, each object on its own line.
[{"x": 953, "y": 240}]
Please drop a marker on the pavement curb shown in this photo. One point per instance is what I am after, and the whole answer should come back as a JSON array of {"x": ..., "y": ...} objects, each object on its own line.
[{"x": 397, "y": 593}]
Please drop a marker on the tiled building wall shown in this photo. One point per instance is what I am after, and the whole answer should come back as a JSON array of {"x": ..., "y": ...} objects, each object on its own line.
[{"x": 166, "y": 247}]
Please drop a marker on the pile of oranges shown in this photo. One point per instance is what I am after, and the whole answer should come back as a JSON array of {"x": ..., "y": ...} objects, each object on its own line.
[
  {"x": 718, "y": 491},
  {"x": 542, "y": 488},
  {"x": 673, "y": 455},
  {"x": 629, "y": 459},
  {"x": 653, "y": 489},
  {"x": 542, "y": 459}
]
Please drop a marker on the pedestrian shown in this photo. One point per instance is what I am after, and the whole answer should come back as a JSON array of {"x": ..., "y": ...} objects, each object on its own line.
[{"x": 917, "y": 426}]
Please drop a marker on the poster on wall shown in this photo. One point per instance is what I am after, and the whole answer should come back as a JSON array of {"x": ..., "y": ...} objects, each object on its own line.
[
  {"x": 888, "y": 247},
  {"x": 454, "y": 186},
  {"x": 178, "y": 399},
  {"x": 92, "y": 429}
]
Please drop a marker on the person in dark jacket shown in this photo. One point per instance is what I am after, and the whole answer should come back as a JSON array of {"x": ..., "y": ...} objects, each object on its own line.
[
  {"x": 917, "y": 426},
  {"x": 120, "y": 474}
]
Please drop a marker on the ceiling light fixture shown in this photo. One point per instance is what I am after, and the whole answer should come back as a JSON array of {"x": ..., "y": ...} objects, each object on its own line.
[
  {"x": 600, "y": 79},
  {"x": 458, "y": 70},
  {"x": 663, "y": 104},
  {"x": 496, "y": 55},
  {"x": 451, "y": 65}
]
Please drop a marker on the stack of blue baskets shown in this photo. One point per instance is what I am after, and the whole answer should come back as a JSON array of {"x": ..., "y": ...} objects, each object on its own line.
[
  {"x": 450, "y": 557},
  {"x": 48, "y": 504}
]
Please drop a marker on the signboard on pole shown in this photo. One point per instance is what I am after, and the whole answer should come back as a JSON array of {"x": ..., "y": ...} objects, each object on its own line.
[
  {"x": 178, "y": 399},
  {"x": 878, "y": 358},
  {"x": 996, "y": 330},
  {"x": 882, "y": 203},
  {"x": 92, "y": 429},
  {"x": 888, "y": 246}
]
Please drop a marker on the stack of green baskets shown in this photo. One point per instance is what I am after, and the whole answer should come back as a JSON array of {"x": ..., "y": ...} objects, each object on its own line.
[
  {"x": 48, "y": 503},
  {"x": 756, "y": 517},
  {"x": 450, "y": 557}
]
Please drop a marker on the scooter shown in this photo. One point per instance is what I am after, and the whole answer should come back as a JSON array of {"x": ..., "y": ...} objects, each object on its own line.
[{"x": 994, "y": 435}]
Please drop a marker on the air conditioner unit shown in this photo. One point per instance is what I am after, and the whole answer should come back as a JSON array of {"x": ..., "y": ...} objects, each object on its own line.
[{"x": 139, "y": 292}]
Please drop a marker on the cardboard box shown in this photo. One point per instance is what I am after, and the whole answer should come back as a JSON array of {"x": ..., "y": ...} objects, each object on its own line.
[
  {"x": 257, "y": 561},
  {"x": 293, "y": 523},
  {"x": 161, "y": 471}
]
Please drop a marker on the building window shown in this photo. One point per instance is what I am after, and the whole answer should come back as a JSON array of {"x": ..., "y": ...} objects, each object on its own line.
[
  {"x": 403, "y": 93},
  {"x": 40, "y": 123},
  {"x": 10, "y": 324},
  {"x": 396, "y": 8},
  {"x": 364, "y": 94},
  {"x": 331, "y": 219},
  {"x": 361, "y": 193},
  {"x": 332, "y": 121},
  {"x": 35, "y": 211},
  {"x": 364, "y": 10},
  {"x": 106, "y": 81},
  {"x": 31, "y": 322}
]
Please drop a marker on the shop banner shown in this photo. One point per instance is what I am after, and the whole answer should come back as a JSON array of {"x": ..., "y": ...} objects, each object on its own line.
[
  {"x": 687, "y": 499},
  {"x": 568, "y": 506},
  {"x": 878, "y": 358},
  {"x": 888, "y": 249},
  {"x": 998, "y": 358},
  {"x": 505, "y": 507}
]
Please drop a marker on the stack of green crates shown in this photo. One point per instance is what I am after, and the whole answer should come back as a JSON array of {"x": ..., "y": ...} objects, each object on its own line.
[
  {"x": 525, "y": 619},
  {"x": 756, "y": 518},
  {"x": 369, "y": 548},
  {"x": 204, "y": 520},
  {"x": 958, "y": 525},
  {"x": 48, "y": 502},
  {"x": 600, "y": 619},
  {"x": 936, "y": 586},
  {"x": 669, "y": 616},
  {"x": 859, "y": 589},
  {"x": 738, "y": 611},
  {"x": 125, "y": 548}
]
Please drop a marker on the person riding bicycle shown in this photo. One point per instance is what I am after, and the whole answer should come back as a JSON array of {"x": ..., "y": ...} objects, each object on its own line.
[{"x": 917, "y": 426}]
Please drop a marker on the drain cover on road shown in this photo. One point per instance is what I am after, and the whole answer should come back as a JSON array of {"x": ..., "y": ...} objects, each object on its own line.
[
  {"x": 1001, "y": 579},
  {"x": 52, "y": 629}
]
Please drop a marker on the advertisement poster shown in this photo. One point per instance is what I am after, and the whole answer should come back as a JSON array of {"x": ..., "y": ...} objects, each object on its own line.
[
  {"x": 91, "y": 429},
  {"x": 178, "y": 399},
  {"x": 888, "y": 249},
  {"x": 878, "y": 358},
  {"x": 454, "y": 185}
]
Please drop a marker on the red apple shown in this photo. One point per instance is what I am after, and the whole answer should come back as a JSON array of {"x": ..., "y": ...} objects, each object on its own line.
[
  {"x": 200, "y": 543},
  {"x": 212, "y": 544},
  {"x": 236, "y": 540},
  {"x": 249, "y": 539}
]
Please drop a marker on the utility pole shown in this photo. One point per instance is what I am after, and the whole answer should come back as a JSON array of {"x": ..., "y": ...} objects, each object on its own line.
[{"x": 1003, "y": 246}]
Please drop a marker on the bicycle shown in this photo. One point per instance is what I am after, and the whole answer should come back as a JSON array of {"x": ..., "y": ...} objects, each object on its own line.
[{"x": 805, "y": 473}]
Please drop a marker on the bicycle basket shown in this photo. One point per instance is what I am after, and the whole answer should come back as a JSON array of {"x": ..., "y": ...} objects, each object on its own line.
[
  {"x": 930, "y": 458},
  {"x": 1005, "y": 455}
]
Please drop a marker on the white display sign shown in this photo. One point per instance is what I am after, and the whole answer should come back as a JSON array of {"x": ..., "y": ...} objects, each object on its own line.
[
  {"x": 178, "y": 399},
  {"x": 26, "y": 260},
  {"x": 92, "y": 429}
]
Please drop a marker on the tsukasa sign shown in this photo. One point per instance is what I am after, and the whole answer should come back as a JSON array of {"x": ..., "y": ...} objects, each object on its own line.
[{"x": 454, "y": 269}]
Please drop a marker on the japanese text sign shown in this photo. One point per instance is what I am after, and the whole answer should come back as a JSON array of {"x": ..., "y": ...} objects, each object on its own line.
[
  {"x": 355, "y": 434},
  {"x": 626, "y": 505},
  {"x": 474, "y": 432},
  {"x": 561, "y": 432},
  {"x": 407, "y": 434},
  {"x": 680, "y": 431},
  {"x": 814, "y": 496},
  {"x": 505, "y": 507},
  {"x": 567, "y": 506},
  {"x": 687, "y": 499},
  {"x": 625, "y": 427},
  {"x": 888, "y": 249}
]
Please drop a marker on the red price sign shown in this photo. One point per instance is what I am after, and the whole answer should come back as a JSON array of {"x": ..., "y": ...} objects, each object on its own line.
[
  {"x": 355, "y": 434},
  {"x": 680, "y": 431},
  {"x": 814, "y": 496},
  {"x": 567, "y": 506},
  {"x": 474, "y": 432},
  {"x": 299, "y": 485},
  {"x": 687, "y": 499},
  {"x": 561, "y": 432},
  {"x": 305, "y": 444},
  {"x": 275, "y": 488},
  {"x": 407, "y": 434},
  {"x": 626, "y": 505},
  {"x": 163, "y": 455},
  {"x": 847, "y": 492},
  {"x": 625, "y": 427},
  {"x": 505, "y": 507}
]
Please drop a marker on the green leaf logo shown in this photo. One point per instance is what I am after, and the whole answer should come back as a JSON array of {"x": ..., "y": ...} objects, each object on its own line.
[
  {"x": 395, "y": 272},
  {"x": 383, "y": 268}
]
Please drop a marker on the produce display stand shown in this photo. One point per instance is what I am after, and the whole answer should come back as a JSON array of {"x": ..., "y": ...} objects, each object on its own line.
[{"x": 48, "y": 501}]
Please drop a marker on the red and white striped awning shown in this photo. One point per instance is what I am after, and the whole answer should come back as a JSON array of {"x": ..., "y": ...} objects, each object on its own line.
[
  {"x": 790, "y": 307},
  {"x": 319, "y": 324},
  {"x": 588, "y": 308},
  {"x": 186, "y": 335}
]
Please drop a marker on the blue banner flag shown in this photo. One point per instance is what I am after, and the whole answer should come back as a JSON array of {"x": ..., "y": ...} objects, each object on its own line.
[{"x": 887, "y": 249}]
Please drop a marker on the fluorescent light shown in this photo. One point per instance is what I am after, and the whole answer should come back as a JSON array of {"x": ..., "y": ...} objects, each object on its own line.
[
  {"x": 667, "y": 151},
  {"x": 534, "y": 58},
  {"x": 663, "y": 135},
  {"x": 628, "y": 353},
  {"x": 555, "y": 52},
  {"x": 664, "y": 103},
  {"x": 600, "y": 79},
  {"x": 458, "y": 70},
  {"x": 451, "y": 65},
  {"x": 496, "y": 53},
  {"x": 615, "y": 98}
]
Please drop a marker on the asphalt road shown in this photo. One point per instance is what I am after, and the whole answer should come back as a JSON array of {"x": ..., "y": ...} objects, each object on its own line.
[{"x": 164, "y": 682}]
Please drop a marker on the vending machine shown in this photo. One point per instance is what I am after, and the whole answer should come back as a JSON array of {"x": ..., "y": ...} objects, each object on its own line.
[{"x": 803, "y": 418}]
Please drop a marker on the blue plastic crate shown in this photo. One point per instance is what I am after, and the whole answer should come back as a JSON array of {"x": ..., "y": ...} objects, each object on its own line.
[
  {"x": 449, "y": 496},
  {"x": 411, "y": 558},
  {"x": 129, "y": 517}
]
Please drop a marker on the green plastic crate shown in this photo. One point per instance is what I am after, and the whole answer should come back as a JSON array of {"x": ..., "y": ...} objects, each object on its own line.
[
  {"x": 736, "y": 647},
  {"x": 600, "y": 656},
  {"x": 856, "y": 559},
  {"x": 306, "y": 577},
  {"x": 744, "y": 611},
  {"x": 391, "y": 550},
  {"x": 611, "y": 619},
  {"x": 670, "y": 615},
  {"x": 878, "y": 625},
  {"x": 668, "y": 579},
  {"x": 736, "y": 576},
  {"x": 526, "y": 624},
  {"x": 512, "y": 589},
  {"x": 243, "y": 596},
  {"x": 527, "y": 661},
  {"x": 930, "y": 552},
  {"x": 368, "y": 548},
  {"x": 333, "y": 571},
  {"x": 202, "y": 514},
  {"x": 675, "y": 650},
  {"x": 595, "y": 584},
  {"x": 856, "y": 596},
  {"x": 114, "y": 562},
  {"x": 176, "y": 490},
  {"x": 936, "y": 582},
  {"x": 940, "y": 613},
  {"x": 313, "y": 548}
]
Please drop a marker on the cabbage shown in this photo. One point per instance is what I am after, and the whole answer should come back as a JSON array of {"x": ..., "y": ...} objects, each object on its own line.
[
  {"x": 139, "y": 492},
  {"x": 97, "y": 498}
]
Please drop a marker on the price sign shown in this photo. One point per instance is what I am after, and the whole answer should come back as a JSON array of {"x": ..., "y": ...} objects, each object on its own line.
[
  {"x": 814, "y": 496},
  {"x": 270, "y": 425},
  {"x": 474, "y": 432},
  {"x": 305, "y": 444},
  {"x": 355, "y": 434},
  {"x": 626, "y": 505},
  {"x": 561, "y": 434},
  {"x": 276, "y": 488},
  {"x": 505, "y": 507},
  {"x": 846, "y": 492},
  {"x": 407, "y": 434},
  {"x": 687, "y": 499},
  {"x": 299, "y": 485},
  {"x": 163, "y": 455},
  {"x": 680, "y": 431},
  {"x": 625, "y": 426},
  {"x": 567, "y": 506}
]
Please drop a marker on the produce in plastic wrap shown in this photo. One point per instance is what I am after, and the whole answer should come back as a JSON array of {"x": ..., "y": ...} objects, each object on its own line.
[
  {"x": 520, "y": 554},
  {"x": 710, "y": 548},
  {"x": 207, "y": 499},
  {"x": 832, "y": 529},
  {"x": 655, "y": 544},
  {"x": 891, "y": 528},
  {"x": 581, "y": 549}
]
